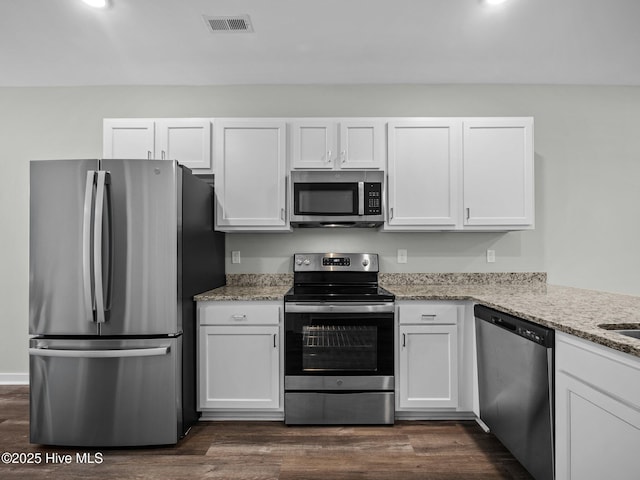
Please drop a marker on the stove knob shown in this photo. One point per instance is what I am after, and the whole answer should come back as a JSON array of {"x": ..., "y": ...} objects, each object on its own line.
[
  {"x": 298, "y": 261},
  {"x": 306, "y": 261},
  {"x": 365, "y": 262}
]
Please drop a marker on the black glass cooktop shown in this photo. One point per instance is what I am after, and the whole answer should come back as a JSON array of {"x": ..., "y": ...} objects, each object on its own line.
[{"x": 341, "y": 293}]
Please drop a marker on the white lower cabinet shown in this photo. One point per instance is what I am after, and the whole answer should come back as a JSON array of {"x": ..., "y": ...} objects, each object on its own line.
[
  {"x": 239, "y": 359},
  {"x": 597, "y": 411},
  {"x": 434, "y": 357}
]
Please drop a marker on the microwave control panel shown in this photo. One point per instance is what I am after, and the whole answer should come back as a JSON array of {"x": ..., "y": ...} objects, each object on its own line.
[{"x": 373, "y": 198}]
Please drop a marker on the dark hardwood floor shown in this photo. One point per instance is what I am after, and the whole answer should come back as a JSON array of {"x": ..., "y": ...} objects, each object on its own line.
[{"x": 434, "y": 450}]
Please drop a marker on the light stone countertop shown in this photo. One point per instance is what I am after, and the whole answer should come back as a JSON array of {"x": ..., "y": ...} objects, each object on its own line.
[
  {"x": 575, "y": 311},
  {"x": 244, "y": 293}
]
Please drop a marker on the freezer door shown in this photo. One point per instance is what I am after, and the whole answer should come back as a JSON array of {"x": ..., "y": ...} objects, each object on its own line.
[
  {"x": 105, "y": 393},
  {"x": 60, "y": 276},
  {"x": 145, "y": 289}
]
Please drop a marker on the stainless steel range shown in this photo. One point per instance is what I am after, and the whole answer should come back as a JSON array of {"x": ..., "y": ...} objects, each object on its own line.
[{"x": 339, "y": 349}]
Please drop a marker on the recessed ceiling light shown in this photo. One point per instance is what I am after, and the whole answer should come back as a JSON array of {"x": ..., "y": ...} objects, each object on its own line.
[
  {"x": 494, "y": 2},
  {"x": 97, "y": 3}
]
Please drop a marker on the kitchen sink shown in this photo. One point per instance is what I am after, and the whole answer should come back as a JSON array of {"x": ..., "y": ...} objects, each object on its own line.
[
  {"x": 629, "y": 333},
  {"x": 627, "y": 329}
]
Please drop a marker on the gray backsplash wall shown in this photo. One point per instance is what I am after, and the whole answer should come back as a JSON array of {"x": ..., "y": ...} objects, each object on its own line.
[{"x": 427, "y": 252}]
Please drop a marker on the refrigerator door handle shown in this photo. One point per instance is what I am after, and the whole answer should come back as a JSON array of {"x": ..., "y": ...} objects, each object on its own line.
[
  {"x": 111, "y": 242},
  {"x": 134, "y": 352},
  {"x": 97, "y": 246},
  {"x": 86, "y": 246}
]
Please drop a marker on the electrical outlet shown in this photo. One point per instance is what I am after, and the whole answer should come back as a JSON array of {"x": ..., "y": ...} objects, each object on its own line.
[
  {"x": 491, "y": 256},
  {"x": 235, "y": 256},
  {"x": 402, "y": 255}
]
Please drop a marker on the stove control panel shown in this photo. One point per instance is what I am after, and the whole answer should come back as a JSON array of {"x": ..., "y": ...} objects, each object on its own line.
[
  {"x": 345, "y": 262},
  {"x": 336, "y": 262}
]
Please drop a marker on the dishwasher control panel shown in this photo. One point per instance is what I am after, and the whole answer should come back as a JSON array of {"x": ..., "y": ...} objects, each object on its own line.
[{"x": 518, "y": 326}]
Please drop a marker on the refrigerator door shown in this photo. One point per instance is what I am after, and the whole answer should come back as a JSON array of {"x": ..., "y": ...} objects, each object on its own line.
[
  {"x": 105, "y": 392},
  {"x": 143, "y": 297},
  {"x": 60, "y": 268}
]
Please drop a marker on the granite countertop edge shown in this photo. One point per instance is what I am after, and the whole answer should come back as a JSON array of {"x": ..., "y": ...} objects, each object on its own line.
[{"x": 575, "y": 311}]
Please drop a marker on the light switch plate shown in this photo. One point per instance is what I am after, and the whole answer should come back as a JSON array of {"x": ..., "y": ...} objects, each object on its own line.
[
  {"x": 235, "y": 256},
  {"x": 402, "y": 255},
  {"x": 491, "y": 256}
]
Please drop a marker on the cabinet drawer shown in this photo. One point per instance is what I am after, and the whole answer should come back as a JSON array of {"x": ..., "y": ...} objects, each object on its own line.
[
  {"x": 254, "y": 313},
  {"x": 425, "y": 314}
]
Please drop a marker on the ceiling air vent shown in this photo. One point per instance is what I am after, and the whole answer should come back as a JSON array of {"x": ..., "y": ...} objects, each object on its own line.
[{"x": 232, "y": 24}]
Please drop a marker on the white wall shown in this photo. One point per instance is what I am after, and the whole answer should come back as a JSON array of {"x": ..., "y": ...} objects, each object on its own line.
[{"x": 587, "y": 147}]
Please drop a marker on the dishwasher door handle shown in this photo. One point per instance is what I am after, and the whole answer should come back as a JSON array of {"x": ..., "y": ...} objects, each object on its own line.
[{"x": 501, "y": 322}]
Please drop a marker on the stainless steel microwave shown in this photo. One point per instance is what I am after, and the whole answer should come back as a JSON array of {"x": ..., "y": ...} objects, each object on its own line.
[{"x": 337, "y": 198}]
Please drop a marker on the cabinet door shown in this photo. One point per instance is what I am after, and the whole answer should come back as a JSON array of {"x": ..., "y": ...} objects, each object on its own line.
[
  {"x": 428, "y": 366},
  {"x": 361, "y": 144},
  {"x": 423, "y": 164},
  {"x": 598, "y": 436},
  {"x": 313, "y": 144},
  {"x": 597, "y": 398},
  {"x": 128, "y": 138},
  {"x": 239, "y": 367},
  {"x": 250, "y": 180},
  {"x": 187, "y": 140},
  {"x": 498, "y": 171}
]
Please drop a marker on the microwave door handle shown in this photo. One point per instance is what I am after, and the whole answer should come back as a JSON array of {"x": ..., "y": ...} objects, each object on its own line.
[{"x": 360, "y": 198}]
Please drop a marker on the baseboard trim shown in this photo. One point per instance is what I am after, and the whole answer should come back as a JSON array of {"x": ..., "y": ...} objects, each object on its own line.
[
  {"x": 14, "y": 379},
  {"x": 211, "y": 416}
]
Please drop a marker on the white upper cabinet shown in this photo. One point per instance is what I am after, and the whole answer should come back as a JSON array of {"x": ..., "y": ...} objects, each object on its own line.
[
  {"x": 337, "y": 144},
  {"x": 128, "y": 138},
  {"x": 313, "y": 144},
  {"x": 423, "y": 174},
  {"x": 498, "y": 173},
  {"x": 251, "y": 173},
  {"x": 187, "y": 140}
]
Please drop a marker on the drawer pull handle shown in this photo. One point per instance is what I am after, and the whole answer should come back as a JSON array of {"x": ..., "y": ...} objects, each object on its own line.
[
  {"x": 239, "y": 317},
  {"x": 428, "y": 318}
]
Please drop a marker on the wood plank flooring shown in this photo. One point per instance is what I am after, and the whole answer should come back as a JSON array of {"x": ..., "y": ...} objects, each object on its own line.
[{"x": 435, "y": 450}]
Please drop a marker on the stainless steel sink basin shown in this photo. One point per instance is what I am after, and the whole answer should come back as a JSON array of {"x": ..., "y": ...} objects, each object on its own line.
[
  {"x": 629, "y": 333},
  {"x": 631, "y": 330}
]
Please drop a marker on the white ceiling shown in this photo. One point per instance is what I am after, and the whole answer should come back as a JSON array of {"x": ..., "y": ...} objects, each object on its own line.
[{"x": 166, "y": 42}]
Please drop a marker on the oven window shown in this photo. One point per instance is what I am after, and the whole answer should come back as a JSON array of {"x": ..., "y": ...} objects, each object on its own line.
[
  {"x": 339, "y": 343},
  {"x": 339, "y": 348},
  {"x": 326, "y": 199}
]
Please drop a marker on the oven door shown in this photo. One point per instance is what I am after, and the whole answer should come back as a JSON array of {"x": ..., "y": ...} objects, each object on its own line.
[{"x": 339, "y": 347}]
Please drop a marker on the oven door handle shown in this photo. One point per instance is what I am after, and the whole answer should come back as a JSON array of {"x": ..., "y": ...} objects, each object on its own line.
[{"x": 351, "y": 307}]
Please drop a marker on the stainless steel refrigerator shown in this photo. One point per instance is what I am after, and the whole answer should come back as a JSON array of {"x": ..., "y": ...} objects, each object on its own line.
[{"x": 118, "y": 248}]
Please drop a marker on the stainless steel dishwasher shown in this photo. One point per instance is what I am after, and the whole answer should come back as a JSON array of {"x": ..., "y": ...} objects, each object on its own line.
[{"x": 515, "y": 382}]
